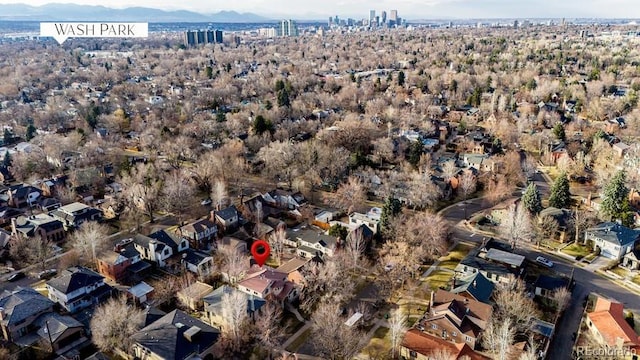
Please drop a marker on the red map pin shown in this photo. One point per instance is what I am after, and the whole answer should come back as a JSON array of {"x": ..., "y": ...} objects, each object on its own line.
[{"x": 260, "y": 251}]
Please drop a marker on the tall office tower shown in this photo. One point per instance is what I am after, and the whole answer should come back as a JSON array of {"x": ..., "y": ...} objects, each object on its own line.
[
  {"x": 372, "y": 17},
  {"x": 189, "y": 38},
  {"x": 287, "y": 28},
  {"x": 384, "y": 17},
  {"x": 377, "y": 20},
  {"x": 330, "y": 20},
  {"x": 394, "y": 16}
]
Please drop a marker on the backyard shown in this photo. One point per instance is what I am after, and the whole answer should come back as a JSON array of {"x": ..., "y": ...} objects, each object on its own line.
[
  {"x": 379, "y": 346},
  {"x": 451, "y": 260}
]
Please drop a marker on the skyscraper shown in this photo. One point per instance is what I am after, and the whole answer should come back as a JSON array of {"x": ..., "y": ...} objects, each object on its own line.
[
  {"x": 394, "y": 16},
  {"x": 287, "y": 28},
  {"x": 198, "y": 37},
  {"x": 372, "y": 17},
  {"x": 384, "y": 17}
]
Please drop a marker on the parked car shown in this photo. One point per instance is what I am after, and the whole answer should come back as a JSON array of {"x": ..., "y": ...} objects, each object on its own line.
[
  {"x": 47, "y": 274},
  {"x": 205, "y": 202},
  {"x": 544, "y": 261},
  {"x": 17, "y": 276},
  {"x": 122, "y": 243}
]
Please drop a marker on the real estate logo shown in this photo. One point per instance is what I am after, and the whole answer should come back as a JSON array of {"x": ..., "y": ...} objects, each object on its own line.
[{"x": 61, "y": 31}]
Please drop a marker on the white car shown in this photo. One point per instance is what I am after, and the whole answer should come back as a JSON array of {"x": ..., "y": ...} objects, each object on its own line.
[{"x": 544, "y": 261}]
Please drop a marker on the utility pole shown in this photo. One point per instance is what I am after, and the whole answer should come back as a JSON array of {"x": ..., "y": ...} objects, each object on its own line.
[{"x": 46, "y": 329}]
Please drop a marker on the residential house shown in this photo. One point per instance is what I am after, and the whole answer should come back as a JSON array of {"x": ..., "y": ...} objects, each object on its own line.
[
  {"x": 266, "y": 281},
  {"x": 49, "y": 204},
  {"x": 19, "y": 309},
  {"x": 493, "y": 261},
  {"x": 50, "y": 187},
  {"x": 141, "y": 292},
  {"x": 201, "y": 233},
  {"x": 64, "y": 333},
  {"x": 5, "y": 238},
  {"x": 608, "y": 326},
  {"x": 546, "y": 286},
  {"x": 5, "y": 174},
  {"x": 612, "y": 239},
  {"x": 312, "y": 242},
  {"x": 192, "y": 296},
  {"x": 175, "y": 336},
  {"x": 456, "y": 318},
  {"x": 357, "y": 219},
  {"x": 43, "y": 225},
  {"x": 75, "y": 214},
  {"x": 198, "y": 262},
  {"x": 233, "y": 242},
  {"x": 292, "y": 269},
  {"x": 8, "y": 213},
  {"x": 213, "y": 304},
  {"x": 476, "y": 287},
  {"x": 78, "y": 288},
  {"x": 481, "y": 162},
  {"x": 23, "y": 195},
  {"x": 417, "y": 345},
  {"x": 631, "y": 260},
  {"x": 620, "y": 149},
  {"x": 228, "y": 217},
  {"x": 284, "y": 199},
  {"x": 159, "y": 246},
  {"x": 561, "y": 216},
  {"x": 118, "y": 265}
]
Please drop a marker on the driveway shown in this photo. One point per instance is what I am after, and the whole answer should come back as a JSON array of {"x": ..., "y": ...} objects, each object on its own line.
[{"x": 598, "y": 263}]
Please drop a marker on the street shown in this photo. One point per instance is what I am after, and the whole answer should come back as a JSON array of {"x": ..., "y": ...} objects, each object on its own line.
[{"x": 586, "y": 281}]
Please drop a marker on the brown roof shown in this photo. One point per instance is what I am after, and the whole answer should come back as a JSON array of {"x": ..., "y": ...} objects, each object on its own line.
[
  {"x": 427, "y": 345},
  {"x": 197, "y": 290},
  {"x": 477, "y": 309},
  {"x": 608, "y": 318},
  {"x": 292, "y": 265}
]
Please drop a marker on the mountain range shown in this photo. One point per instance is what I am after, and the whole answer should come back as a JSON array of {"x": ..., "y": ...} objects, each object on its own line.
[{"x": 90, "y": 13}]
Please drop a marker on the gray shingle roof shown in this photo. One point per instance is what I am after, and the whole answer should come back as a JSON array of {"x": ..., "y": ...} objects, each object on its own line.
[
  {"x": 74, "y": 278},
  {"x": 166, "y": 336},
  {"x": 22, "y": 303},
  {"x": 477, "y": 286},
  {"x": 614, "y": 233},
  {"x": 56, "y": 325}
]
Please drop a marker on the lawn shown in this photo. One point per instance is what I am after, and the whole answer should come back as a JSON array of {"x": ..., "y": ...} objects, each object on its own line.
[
  {"x": 451, "y": 260},
  {"x": 590, "y": 257},
  {"x": 439, "y": 278},
  {"x": 576, "y": 249},
  {"x": 295, "y": 345},
  {"x": 636, "y": 279},
  {"x": 380, "y": 344},
  {"x": 620, "y": 271}
]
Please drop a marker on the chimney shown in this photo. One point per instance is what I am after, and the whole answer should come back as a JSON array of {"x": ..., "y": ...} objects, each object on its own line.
[
  {"x": 475, "y": 283},
  {"x": 14, "y": 230},
  {"x": 2, "y": 314},
  {"x": 212, "y": 216},
  {"x": 192, "y": 333}
]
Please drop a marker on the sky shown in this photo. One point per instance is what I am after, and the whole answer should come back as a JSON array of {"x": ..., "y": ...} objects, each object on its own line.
[{"x": 409, "y": 9}]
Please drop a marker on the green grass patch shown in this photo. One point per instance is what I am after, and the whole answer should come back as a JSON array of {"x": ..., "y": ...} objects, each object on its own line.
[
  {"x": 439, "y": 278},
  {"x": 590, "y": 257},
  {"x": 451, "y": 260},
  {"x": 295, "y": 344},
  {"x": 636, "y": 279},
  {"x": 622, "y": 272},
  {"x": 576, "y": 249},
  {"x": 379, "y": 346}
]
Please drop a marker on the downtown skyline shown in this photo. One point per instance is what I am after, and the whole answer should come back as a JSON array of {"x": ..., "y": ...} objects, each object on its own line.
[{"x": 412, "y": 9}]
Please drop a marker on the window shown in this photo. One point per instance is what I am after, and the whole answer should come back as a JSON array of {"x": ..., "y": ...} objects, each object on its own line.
[
  {"x": 434, "y": 326},
  {"x": 413, "y": 354},
  {"x": 467, "y": 338},
  {"x": 454, "y": 334}
]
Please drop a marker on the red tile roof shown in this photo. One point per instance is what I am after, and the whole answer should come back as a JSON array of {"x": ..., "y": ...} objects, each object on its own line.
[
  {"x": 425, "y": 344},
  {"x": 608, "y": 318}
]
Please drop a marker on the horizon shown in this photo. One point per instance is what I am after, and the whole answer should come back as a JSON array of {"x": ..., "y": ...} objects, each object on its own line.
[{"x": 439, "y": 9}]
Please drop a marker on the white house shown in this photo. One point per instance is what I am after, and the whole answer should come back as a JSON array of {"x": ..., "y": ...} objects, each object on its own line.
[
  {"x": 77, "y": 288},
  {"x": 357, "y": 219},
  {"x": 612, "y": 239}
]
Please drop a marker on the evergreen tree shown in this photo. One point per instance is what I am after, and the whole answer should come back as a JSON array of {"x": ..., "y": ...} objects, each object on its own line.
[
  {"x": 390, "y": 209},
  {"x": 339, "y": 231},
  {"x": 7, "y": 137},
  {"x": 615, "y": 202},
  {"x": 531, "y": 199},
  {"x": 560, "y": 196},
  {"x": 558, "y": 131},
  {"x": 262, "y": 125},
  {"x": 31, "y": 132},
  {"x": 401, "y": 78},
  {"x": 416, "y": 149}
]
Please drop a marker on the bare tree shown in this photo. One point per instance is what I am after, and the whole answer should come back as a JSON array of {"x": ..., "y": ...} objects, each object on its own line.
[
  {"x": 142, "y": 188},
  {"x": 581, "y": 220},
  {"x": 324, "y": 283},
  {"x": 268, "y": 330},
  {"x": 219, "y": 195},
  {"x": 467, "y": 184},
  {"x": 355, "y": 246},
  {"x": 331, "y": 337},
  {"x": 350, "y": 195},
  {"x": 449, "y": 170},
  {"x": 425, "y": 231},
  {"x": 532, "y": 350},
  {"x": 498, "y": 188},
  {"x": 561, "y": 298},
  {"x": 498, "y": 338},
  {"x": 90, "y": 239},
  {"x": 276, "y": 241},
  {"x": 516, "y": 225},
  {"x": 234, "y": 313},
  {"x": 31, "y": 250},
  {"x": 177, "y": 194},
  {"x": 513, "y": 303},
  {"x": 397, "y": 328},
  {"x": 114, "y": 323},
  {"x": 232, "y": 263},
  {"x": 383, "y": 149}
]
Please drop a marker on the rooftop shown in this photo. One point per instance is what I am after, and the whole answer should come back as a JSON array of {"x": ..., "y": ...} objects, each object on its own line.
[{"x": 614, "y": 233}]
